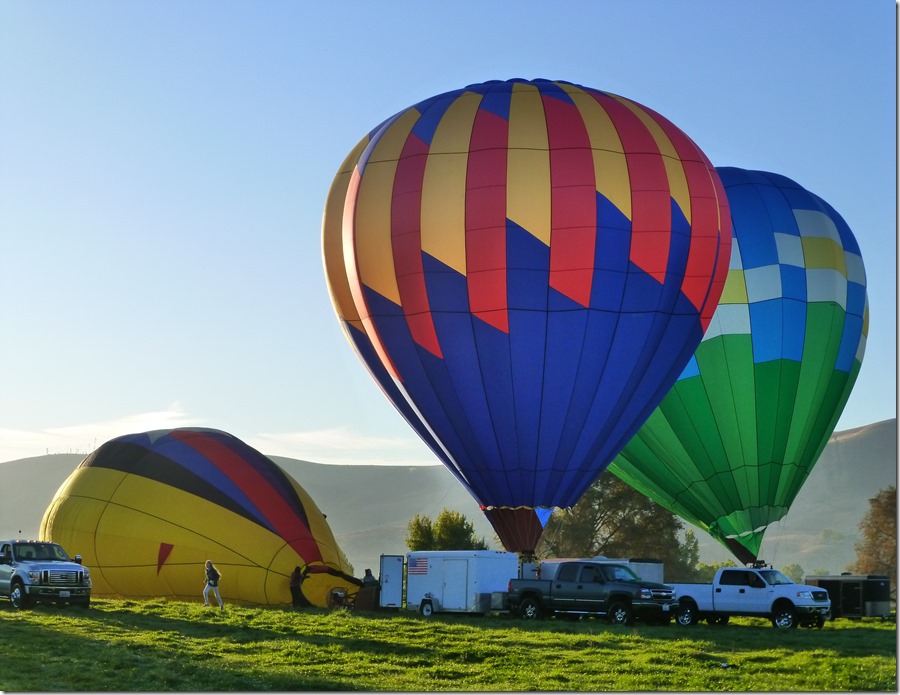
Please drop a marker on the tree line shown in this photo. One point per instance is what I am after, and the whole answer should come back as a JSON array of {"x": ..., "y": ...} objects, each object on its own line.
[{"x": 615, "y": 520}]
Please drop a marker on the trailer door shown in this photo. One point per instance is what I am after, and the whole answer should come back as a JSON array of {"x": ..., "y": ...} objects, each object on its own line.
[
  {"x": 455, "y": 588},
  {"x": 391, "y": 581}
]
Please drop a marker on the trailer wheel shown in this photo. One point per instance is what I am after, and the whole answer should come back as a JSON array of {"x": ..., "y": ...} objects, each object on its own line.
[
  {"x": 426, "y": 608},
  {"x": 530, "y": 609}
]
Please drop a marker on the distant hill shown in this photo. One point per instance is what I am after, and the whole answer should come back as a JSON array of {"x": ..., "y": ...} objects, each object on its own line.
[
  {"x": 821, "y": 529},
  {"x": 368, "y": 507}
]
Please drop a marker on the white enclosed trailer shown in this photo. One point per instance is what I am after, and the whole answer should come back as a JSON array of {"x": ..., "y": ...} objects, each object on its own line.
[{"x": 458, "y": 581}]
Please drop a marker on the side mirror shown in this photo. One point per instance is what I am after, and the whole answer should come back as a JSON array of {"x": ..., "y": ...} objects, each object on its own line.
[{"x": 78, "y": 559}]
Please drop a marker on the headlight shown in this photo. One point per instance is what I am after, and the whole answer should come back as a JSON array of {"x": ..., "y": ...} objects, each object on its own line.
[
  {"x": 804, "y": 594},
  {"x": 34, "y": 575},
  {"x": 646, "y": 594}
]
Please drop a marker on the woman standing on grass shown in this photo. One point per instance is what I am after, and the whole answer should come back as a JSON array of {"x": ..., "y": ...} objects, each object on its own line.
[{"x": 212, "y": 582}]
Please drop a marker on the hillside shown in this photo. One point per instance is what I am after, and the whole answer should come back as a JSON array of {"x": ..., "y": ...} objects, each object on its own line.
[
  {"x": 820, "y": 531},
  {"x": 368, "y": 507}
]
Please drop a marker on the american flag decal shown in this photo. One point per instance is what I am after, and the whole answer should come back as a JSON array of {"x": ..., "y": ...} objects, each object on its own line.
[{"x": 418, "y": 565}]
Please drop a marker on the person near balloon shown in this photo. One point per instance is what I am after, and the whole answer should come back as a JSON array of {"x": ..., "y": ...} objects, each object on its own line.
[
  {"x": 369, "y": 579},
  {"x": 298, "y": 576},
  {"x": 212, "y": 582}
]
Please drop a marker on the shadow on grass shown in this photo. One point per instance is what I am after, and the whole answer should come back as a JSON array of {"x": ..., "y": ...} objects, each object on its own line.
[
  {"x": 138, "y": 646},
  {"x": 79, "y": 663},
  {"x": 82, "y": 658}
]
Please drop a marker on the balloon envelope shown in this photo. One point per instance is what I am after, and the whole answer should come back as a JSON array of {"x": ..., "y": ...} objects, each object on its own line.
[
  {"x": 147, "y": 510},
  {"x": 525, "y": 267},
  {"x": 732, "y": 443}
]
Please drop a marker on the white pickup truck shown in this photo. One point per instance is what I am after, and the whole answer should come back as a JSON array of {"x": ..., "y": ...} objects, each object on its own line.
[{"x": 752, "y": 592}]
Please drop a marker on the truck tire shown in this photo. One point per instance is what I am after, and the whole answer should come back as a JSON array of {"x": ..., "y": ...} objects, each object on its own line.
[
  {"x": 530, "y": 609},
  {"x": 784, "y": 617},
  {"x": 687, "y": 614},
  {"x": 426, "y": 608},
  {"x": 17, "y": 596},
  {"x": 620, "y": 614}
]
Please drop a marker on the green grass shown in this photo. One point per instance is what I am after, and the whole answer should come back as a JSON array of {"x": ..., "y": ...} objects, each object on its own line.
[{"x": 165, "y": 646}]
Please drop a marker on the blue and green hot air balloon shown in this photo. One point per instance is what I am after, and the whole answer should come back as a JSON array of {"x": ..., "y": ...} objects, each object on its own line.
[{"x": 731, "y": 444}]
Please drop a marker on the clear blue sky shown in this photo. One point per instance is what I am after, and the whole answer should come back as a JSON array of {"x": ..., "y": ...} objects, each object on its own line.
[{"x": 164, "y": 167}]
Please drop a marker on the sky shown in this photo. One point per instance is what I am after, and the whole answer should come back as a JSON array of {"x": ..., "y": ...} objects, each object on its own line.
[{"x": 164, "y": 168}]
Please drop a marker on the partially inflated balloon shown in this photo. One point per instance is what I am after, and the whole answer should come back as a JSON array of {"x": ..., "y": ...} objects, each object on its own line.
[
  {"x": 147, "y": 510},
  {"x": 525, "y": 267},
  {"x": 730, "y": 446}
]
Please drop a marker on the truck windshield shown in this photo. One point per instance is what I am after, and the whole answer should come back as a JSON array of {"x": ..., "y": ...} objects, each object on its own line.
[
  {"x": 774, "y": 577},
  {"x": 39, "y": 551}
]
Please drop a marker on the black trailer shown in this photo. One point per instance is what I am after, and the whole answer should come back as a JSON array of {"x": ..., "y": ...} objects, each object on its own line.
[{"x": 856, "y": 595}]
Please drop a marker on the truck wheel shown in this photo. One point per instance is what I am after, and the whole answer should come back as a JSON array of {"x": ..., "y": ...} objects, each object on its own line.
[
  {"x": 426, "y": 609},
  {"x": 686, "y": 615},
  {"x": 18, "y": 597},
  {"x": 530, "y": 609},
  {"x": 784, "y": 618},
  {"x": 620, "y": 614}
]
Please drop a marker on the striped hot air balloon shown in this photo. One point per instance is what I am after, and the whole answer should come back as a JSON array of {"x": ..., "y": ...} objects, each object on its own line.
[
  {"x": 147, "y": 510},
  {"x": 525, "y": 267}
]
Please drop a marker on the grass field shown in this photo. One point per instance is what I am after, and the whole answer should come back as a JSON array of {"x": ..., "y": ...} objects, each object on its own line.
[{"x": 160, "y": 645}]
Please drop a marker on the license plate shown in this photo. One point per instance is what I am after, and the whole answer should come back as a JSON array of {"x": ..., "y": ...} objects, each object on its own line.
[{"x": 65, "y": 594}]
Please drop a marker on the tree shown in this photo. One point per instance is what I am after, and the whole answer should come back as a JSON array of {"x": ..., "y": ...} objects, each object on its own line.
[
  {"x": 420, "y": 533},
  {"x": 450, "y": 531},
  {"x": 876, "y": 550},
  {"x": 686, "y": 569},
  {"x": 706, "y": 572},
  {"x": 794, "y": 572},
  {"x": 615, "y": 520}
]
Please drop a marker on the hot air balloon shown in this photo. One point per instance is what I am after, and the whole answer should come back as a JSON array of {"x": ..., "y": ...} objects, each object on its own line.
[
  {"x": 147, "y": 510},
  {"x": 732, "y": 443},
  {"x": 525, "y": 267}
]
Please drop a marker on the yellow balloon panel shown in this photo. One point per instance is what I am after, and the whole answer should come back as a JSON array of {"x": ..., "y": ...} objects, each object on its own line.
[{"x": 143, "y": 537}]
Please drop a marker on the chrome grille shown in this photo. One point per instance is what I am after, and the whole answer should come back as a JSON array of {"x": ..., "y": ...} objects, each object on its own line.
[
  {"x": 64, "y": 577},
  {"x": 662, "y": 594}
]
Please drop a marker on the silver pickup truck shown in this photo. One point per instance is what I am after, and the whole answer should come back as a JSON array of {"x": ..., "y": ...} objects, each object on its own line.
[{"x": 33, "y": 571}]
